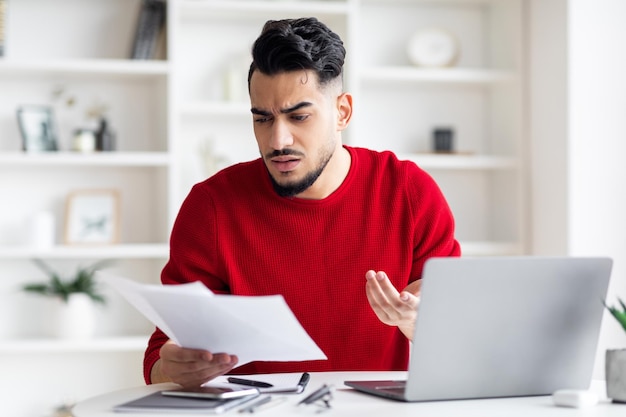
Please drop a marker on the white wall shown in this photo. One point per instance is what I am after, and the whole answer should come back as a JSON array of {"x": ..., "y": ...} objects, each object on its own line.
[
  {"x": 578, "y": 129},
  {"x": 597, "y": 137}
]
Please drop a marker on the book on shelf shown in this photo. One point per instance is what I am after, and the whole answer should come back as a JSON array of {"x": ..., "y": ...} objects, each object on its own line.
[
  {"x": 3, "y": 27},
  {"x": 150, "y": 25}
]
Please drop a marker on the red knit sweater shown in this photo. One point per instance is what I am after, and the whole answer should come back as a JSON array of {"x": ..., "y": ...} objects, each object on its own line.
[{"x": 237, "y": 236}]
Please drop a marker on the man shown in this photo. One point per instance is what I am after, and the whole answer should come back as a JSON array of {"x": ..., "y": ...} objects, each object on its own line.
[{"x": 311, "y": 219}]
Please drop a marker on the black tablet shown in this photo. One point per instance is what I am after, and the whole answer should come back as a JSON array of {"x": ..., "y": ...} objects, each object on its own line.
[{"x": 159, "y": 403}]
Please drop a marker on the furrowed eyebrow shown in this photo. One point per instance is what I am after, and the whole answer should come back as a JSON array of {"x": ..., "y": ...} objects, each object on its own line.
[
  {"x": 260, "y": 112},
  {"x": 296, "y": 107},
  {"x": 293, "y": 108}
]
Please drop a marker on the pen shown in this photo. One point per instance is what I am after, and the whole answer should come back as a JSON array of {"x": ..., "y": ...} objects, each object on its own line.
[
  {"x": 304, "y": 380},
  {"x": 262, "y": 404},
  {"x": 317, "y": 395},
  {"x": 249, "y": 382}
]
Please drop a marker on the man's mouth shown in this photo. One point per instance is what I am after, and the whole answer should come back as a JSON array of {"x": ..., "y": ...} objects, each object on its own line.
[{"x": 285, "y": 163}]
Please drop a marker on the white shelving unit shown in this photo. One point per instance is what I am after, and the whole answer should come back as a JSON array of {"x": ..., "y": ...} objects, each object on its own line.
[
  {"x": 64, "y": 159},
  {"x": 82, "y": 47},
  {"x": 403, "y": 74},
  {"x": 84, "y": 67},
  {"x": 121, "y": 251},
  {"x": 180, "y": 119},
  {"x": 480, "y": 97},
  {"x": 98, "y": 345}
]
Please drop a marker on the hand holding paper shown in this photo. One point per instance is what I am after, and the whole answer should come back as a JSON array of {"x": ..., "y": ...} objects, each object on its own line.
[{"x": 259, "y": 328}]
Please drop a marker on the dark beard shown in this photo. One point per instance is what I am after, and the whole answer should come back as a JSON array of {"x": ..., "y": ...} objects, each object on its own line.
[{"x": 291, "y": 190}]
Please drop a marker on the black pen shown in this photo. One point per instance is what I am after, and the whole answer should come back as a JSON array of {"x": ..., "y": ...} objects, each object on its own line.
[
  {"x": 249, "y": 382},
  {"x": 304, "y": 380}
]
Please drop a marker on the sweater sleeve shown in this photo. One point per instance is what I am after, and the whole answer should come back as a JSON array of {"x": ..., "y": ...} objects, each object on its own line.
[
  {"x": 151, "y": 354},
  {"x": 434, "y": 222},
  {"x": 192, "y": 249}
]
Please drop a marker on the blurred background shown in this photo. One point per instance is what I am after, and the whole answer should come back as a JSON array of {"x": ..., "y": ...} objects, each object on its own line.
[{"x": 110, "y": 110}]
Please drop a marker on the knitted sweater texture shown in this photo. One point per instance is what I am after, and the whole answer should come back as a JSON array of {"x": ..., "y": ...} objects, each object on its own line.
[{"x": 237, "y": 236}]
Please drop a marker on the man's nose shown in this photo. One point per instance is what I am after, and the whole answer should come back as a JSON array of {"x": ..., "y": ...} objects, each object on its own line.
[{"x": 281, "y": 135}]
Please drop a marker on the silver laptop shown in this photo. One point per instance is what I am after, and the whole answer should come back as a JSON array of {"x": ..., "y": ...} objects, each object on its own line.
[{"x": 502, "y": 327}]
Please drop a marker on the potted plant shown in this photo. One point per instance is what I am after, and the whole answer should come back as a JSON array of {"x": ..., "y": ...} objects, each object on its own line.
[
  {"x": 615, "y": 360},
  {"x": 74, "y": 299}
]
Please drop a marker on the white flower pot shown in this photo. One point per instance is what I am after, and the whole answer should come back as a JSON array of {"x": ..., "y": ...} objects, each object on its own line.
[
  {"x": 76, "y": 318},
  {"x": 615, "y": 363}
]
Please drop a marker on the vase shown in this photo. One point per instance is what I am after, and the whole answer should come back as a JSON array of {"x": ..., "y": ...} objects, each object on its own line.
[
  {"x": 105, "y": 138},
  {"x": 615, "y": 366},
  {"x": 84, "y": 140},
  {"x": 75, "y": 319}
]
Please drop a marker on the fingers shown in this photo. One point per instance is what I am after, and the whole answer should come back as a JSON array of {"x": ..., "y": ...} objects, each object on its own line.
[
  {"x": 193, "y": 367},
  {"x": 375, "y": 291},
  {"x": 381, "y": 292},
  {"x": 392, "y": 307}
]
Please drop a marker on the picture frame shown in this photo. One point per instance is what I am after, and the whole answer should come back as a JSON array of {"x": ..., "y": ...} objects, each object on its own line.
[
  {"x": 37, "y": 127},
  {"x": 92, "y": 217}
]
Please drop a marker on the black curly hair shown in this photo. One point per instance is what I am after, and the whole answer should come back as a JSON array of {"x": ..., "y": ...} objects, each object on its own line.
[{"x": 298, "y": 44}]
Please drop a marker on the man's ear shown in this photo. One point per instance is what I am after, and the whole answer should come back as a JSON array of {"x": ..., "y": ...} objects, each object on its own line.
[{"x": 344, "y": 110}]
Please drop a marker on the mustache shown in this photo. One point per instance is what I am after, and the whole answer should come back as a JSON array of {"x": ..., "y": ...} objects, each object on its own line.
[{"x": 283, "y": 152}]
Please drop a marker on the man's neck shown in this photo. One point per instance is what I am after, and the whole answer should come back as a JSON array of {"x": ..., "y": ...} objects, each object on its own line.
[{"x": 331, "y": 179}]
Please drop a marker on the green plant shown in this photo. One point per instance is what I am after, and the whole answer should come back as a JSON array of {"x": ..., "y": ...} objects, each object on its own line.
[
  {"x": 620, "y": 315},
  {"x": 82, "y": 282}
]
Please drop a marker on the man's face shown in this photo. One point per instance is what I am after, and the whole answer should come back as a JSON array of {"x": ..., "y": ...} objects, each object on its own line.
[{"x": 295, "y": 124}]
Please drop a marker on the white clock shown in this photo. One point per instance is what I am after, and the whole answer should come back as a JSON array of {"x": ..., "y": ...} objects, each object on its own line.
[{"x": 433, "y": 47}]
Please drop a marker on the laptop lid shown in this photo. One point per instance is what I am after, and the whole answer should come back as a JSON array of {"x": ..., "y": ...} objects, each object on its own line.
[{"x": 506, "y": 326}]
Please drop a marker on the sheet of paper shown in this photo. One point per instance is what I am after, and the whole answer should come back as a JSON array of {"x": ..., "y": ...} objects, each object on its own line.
[
  {"x": 281, "y": 382},
  {"x": 259, "y": 328}
]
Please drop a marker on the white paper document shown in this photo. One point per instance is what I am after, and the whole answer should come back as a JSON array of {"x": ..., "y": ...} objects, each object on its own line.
[
  {"x": 261, "y": 328},
  {"x": 280, "y": 382}
]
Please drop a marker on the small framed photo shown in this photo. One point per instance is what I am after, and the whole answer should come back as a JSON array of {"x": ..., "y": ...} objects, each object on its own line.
[
  {"x": 92, "y": 217},
  {"x": 37, "y": 127}
]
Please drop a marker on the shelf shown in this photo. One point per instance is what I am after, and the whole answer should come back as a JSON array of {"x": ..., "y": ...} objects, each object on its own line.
[
  {"x": 215, "y": 108},
  {"x": 122, "y": 251},
  {"x": 193, "y": 9},
  {"x": 94, "y": 67},
  {"x": 49, "y": 345},
  {"x": 431, "y": 2},
  {"x": 461, "y": 161},
  {"x": 445, "y": 75},
  {"x": 475, "y": 248},
  {"x": 99, "y": 159}
]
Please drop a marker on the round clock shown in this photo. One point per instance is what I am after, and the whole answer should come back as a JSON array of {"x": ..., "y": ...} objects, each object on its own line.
[{"x": 433, "y": 47}]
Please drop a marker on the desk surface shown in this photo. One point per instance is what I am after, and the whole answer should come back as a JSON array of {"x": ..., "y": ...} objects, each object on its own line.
[{"x": 349, "y": 402}]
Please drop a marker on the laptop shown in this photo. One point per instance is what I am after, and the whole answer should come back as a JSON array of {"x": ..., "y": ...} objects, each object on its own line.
[{"x": 502, "y": 327}]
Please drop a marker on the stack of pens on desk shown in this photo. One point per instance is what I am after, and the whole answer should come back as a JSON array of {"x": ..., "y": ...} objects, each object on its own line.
[{"x": 321, "y": 397}]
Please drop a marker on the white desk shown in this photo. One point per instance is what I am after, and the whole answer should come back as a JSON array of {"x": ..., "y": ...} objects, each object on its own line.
[{"x": 348, "y": 402}]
